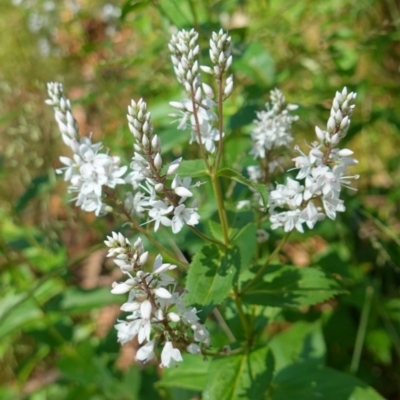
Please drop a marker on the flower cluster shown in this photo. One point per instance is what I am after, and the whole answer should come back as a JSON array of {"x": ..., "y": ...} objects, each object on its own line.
[
  {"x": 164, "y": 204},
  {"x": 197, "y": 110},
  {"x": 273, "y": 130},
  {"x": 323, "y": 171},
  {"x": 88, "y": 170},
  {"x": 158, "y": 313}
]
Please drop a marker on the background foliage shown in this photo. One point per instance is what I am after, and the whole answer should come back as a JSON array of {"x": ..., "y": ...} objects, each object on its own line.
[{"x": 56, "y": 313}]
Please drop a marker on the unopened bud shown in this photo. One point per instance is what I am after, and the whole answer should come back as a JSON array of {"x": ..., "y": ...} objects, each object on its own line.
[{"x": 158, "y": 161}]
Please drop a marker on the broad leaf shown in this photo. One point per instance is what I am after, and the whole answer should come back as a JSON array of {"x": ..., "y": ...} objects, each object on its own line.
[
  {"x": 191, "y": 374},
  {"x": 78, "y": 300},
  {"x": 309, "y": 381},
  {"x": 246, "y": 240},
  {"x": 302, "y": 342},
  {"x": 211, "y": 275},
  {"x": 289, "y": 286},
  {"x": 257, "y": 64},
  {"x": 244, "y": 376},
  {"x": 236, "y": 176},
  {"x": 191, "y": 168},
  {"x": 21, "y": 310}
]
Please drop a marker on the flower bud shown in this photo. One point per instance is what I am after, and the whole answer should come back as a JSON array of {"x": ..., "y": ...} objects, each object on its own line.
[
  {"x": 183, "y": 192},
  {"x": 158, "y": 161}
]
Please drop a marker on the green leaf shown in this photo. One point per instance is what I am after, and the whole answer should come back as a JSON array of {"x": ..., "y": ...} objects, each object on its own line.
[
  {"x": 21, "y": 310},
  {"x": 289, "y": 286},
  {"x": 379, "y": 343},
  {"x": 191, "y": 374},
  {"x": 307, "y": 381},
  {"x": 84, "y": 367},
  {"x": 244, "y": 376},
  {"x": 236, "y": 176},
  {"x": 78, "y": 300},
  {"x": 192, "y": 168},
  {"x": 257, "y": 64},
  {"x": 133, "y": 5},
  {"x": 211, "y": 275},
  {"x": 246, "y": 240},
  {"x": 302, "y": 342}
]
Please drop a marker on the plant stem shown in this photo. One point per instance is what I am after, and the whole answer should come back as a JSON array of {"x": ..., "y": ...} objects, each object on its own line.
[
  {"x": 197, "y": 123},
  {"x": 242, "y": 316},
  {"x": 271, "y": 257},
  {"x": 156, "y": 243},
  {"x": 362, "y": 328},
  {"x": 194, "y": 13},
  {"x": 205, "y": 237},
  {"x": 220, "y": 124},
  {"x": 220, "y": 205},
  {"x": 218, "y": 316}
]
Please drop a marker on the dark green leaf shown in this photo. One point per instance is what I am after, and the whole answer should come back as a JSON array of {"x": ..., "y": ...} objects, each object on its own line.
[
  {"x": 309, "y": 381},
  {"x": 288, "y": 286},
  {"x": 211, "y": 275}
]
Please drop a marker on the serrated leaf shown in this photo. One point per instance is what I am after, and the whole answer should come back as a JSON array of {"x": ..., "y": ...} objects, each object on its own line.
[
  {"x": 240, "y": 377},
  {"x": 236, "y": 176},
  {"x": 289, "y": 286},
  {"x": 211, "y": 275},
  {"x": 307, "y": 381},
  {"x": 191, "y": 374}
]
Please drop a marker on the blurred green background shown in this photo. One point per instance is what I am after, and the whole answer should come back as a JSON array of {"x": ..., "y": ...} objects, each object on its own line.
[{"x": 56, "y": 314}]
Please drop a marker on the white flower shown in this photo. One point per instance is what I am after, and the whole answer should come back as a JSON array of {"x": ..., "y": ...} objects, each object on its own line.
[
  {"x": 127, "y": 330},
  {"x": 158, "y": 212},
  {"x": 169, "y": 354},
  {"x": 146, "y": 352},
  {"x": 183, "y": 215}
]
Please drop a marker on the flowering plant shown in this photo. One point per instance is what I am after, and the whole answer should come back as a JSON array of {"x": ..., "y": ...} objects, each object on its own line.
[{"x": 234, "y": 282}]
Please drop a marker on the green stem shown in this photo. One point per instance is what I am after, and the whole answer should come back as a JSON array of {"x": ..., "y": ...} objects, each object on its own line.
[
  {"x": 197, "y": 124},
  {"x": 242, "y": 316},
  {"x": 157, "y": 244},
  {"x": 362, "y": 328},
  {"x": 205, "y": 237},
  {"x": 220, "y": 205},
  {"x": 194, "y": 13},
  {"x": 220, "y": 124},
  {"x": 269, "y": 259},
  {"x": 220, "y": 319}
]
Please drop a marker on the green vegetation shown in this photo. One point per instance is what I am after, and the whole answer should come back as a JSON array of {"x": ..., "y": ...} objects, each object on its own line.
[{"x": 57, "y": 339}]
